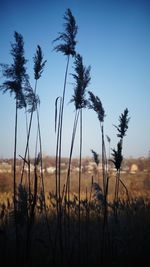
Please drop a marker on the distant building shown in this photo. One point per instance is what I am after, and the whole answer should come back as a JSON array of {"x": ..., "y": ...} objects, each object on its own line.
[
  {"x": 134, "y": 168},
  {"x": 50, "y": 169},
  {"x": 5, "y": 167}
]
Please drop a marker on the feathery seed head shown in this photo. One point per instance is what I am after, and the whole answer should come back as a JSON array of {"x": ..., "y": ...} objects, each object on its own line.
[
  {"x": 117, "y": 156},
  {"x": 96, "y": 104},
  {"x": 95, "y": 156},
  {"x": 68, "y": 37},
  {"x": 38, "y": 63},
  {"x": 82, "y": 79},
  {"x": 123, "y": 124},
  {"x": 15, "y": 74}
]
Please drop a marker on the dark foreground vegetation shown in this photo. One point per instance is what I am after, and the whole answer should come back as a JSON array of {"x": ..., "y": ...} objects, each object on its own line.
[
  {"x": 63, "y": 227},
  {"x": 123, "y": 241}
]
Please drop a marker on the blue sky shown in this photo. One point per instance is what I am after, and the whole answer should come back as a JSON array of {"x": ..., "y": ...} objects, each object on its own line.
[{"x": 114, "y": 39}]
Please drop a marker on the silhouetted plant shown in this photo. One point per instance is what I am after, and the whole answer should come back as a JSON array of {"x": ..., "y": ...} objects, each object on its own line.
[
  {"x": 39, "y": 64},
  {"x": 95, "y": 156},
  {"x": 82, "y": 79},
  {"x": 117, "y": 154},
  {"x": 16, "y": 83},
  {"x": 33, "y": 99},
  {"x": 32, "y": 209},
  {"x": 109, "y": 141},
  {"x": 67, "y": 47},
  {"x": 96, "y": 159},
  {"x": 123, "y": 124},
  {"x": 68, "y": 36},
  {"x": 96, "y": 104}
]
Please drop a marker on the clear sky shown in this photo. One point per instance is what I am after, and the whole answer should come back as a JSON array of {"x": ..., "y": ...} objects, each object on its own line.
[{"x": 114, "y": 38}]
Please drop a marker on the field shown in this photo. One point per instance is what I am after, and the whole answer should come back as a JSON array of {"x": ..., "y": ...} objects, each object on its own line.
[
  {"x": 57, "y": 211},
  {"x": 60, "y": 236}
]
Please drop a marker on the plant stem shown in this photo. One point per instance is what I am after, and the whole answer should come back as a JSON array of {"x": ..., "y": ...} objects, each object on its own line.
[
  {"x": 28, "y": 136},
  {"x": 67, "y": 190},
  {"x": 80, "y": 171},
  {"x": 14, "y": 182},
  {"x": 60, "y": 131},
  {"x": 56, "y": 157}
]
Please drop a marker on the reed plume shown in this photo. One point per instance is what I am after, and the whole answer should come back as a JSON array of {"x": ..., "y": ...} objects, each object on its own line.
[
  {"x": 67, "y": 47},
  {"x": 96, "y": 157}
]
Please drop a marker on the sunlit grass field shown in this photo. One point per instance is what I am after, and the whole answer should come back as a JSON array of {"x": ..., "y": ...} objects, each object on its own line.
[{"x": 125, "y": 243}]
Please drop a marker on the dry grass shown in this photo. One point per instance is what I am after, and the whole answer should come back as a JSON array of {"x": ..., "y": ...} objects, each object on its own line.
[{"x": 126, "y": 236}]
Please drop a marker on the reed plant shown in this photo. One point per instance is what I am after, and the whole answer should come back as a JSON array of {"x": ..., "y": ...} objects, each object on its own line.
[
  {"x": 117, "y": 154},
  {"x": 82, "y": 79},
  {"x": 95, "y": 104},
  {"x": 34, "y": 99},
  {"x": 67, "y": 47},
  {"x": 97, "y": 161},
  {"x": 17, "y": 83},
  {"x": 90, "y": 219}
]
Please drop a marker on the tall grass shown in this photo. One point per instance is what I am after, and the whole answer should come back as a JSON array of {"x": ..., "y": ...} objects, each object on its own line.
[
  {"x": 90, "y": 219},
  {"x": 34, "y": 100},
  {"x": 16, "y": 83},
  {"x": 117, "y": 154},
  {"x": 82, "y": 79},
  {"x": 67, "y": 47}
]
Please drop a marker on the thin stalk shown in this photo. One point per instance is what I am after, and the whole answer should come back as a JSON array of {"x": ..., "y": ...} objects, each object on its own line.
[
  {"x": 67, "y": 190},
  {"x": 125, "y": 189},
  {"x": 42, "y": 178},
  {"x": 28, "y": 136},
  {"x": 80, "y": 171},
  {"x": 57, "y": 172},
  {"x": 60, "y": 129},
  {"x": 28, "y": 161},
  {"x": 15, "y": 151},
  {"x": 56, "y": 157},
  {"x": 32, "y": 215},
  {"x": 58, "y": 160},
  {"x": 105, "y": 232},
  {"x": 80, "y": 166},
  {"x": 87, "y": 227},
  {"x": 14, "y": 180},
  {"x": 116, "y": 185},
  {"x": 103, "y": 160},
  {"x": 66, "y": 195}
]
